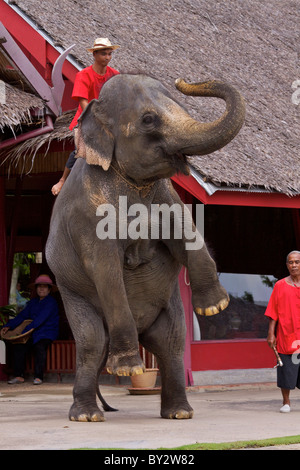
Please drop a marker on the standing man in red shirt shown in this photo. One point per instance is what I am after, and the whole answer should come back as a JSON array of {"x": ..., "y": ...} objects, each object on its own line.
[
  {"x": 283, "y": 311},
  {"x": 87, "y": 86}
]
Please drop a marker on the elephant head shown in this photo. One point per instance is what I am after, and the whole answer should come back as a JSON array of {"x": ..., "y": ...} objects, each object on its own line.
[{"x": 139, "y": 126}]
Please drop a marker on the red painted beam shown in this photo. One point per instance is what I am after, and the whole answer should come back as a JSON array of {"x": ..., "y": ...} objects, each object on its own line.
[
  {"x": 23, "y": 33},
  {"x": 32, "y": 42},
  {"x": 237, "y": 198},
  {"x": 192, "y": 186}
]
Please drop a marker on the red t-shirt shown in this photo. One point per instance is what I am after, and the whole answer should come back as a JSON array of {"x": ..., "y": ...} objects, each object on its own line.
[
  {"x": 87, "y": 85},
  {"x": 284, "y": 307}
]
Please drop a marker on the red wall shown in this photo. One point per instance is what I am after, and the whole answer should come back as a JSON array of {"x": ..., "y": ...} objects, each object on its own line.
[{"x": 233, "y": 354}]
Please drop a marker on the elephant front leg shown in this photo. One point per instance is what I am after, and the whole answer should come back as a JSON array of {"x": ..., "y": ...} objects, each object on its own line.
[
  {"x": 124, "y": 362},
  {"x": 124, "y": 358},
  {"x": 208, "y": 296},
  {"x": 187, "y": 246}
]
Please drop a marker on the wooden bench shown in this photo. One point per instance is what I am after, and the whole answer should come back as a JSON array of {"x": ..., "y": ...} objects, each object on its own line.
[{"x": 61, "y": 359}]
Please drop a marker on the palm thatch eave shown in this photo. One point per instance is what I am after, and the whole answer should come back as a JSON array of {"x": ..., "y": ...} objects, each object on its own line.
[{"x": 16, "y": 107}]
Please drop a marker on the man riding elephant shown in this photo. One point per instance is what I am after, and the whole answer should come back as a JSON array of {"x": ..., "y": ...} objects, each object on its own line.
[{"x": 87, "y": 86}]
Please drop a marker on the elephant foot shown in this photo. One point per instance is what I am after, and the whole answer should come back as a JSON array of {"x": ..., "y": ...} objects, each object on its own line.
[
  {"x": 212, "y": 302},
  {"x": 185, "y": 412},
  {"x": 85, "y": 414},
  {"x": 125, "y": 365}
]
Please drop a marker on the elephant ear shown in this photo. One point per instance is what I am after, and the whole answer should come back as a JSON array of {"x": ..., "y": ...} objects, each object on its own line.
[{"x": 93, "y": 140}]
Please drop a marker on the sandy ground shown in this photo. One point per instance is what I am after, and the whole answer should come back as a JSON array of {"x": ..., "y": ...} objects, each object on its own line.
[{"x": 36, "y": 418}]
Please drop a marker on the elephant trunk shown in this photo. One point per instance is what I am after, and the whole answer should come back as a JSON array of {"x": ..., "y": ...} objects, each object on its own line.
[{"x": 205, "y": 138}]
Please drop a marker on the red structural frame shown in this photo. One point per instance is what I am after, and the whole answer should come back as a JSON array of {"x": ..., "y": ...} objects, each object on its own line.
[
  {"x": 42, "y": 54},
  {"x": 239, "y": 353},
  {"x": 237, "y": 198}
]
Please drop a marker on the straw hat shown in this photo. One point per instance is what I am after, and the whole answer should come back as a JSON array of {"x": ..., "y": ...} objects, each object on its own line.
[
  {"x": 44, "y": 279},
  {"x": 102, "y": 43}
]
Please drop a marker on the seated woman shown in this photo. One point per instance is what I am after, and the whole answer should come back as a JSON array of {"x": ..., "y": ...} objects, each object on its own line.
[{"x": 43, "y": 311}]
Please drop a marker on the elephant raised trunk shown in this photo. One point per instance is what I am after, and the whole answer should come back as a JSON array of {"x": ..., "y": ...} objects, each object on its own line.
[{"x": 205, "y": 138}]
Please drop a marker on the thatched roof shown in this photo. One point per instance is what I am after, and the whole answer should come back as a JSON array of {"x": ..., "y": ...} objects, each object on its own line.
[
  {"x": 17, "y": 97},
  {"x": 30, "y": 147},
  {"x": 16, "y": 108},
  {"x": 249, "y": 43}
]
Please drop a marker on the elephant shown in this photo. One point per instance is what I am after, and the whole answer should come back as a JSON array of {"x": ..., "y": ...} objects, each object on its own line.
[{"x": 122, "y": 291}]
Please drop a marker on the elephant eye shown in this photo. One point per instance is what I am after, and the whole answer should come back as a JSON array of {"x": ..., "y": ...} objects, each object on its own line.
[{"x": 148, "y": 119}]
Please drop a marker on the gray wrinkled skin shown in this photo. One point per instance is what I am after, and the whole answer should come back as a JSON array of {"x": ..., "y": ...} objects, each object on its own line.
[{"x": 119, "y": 292}]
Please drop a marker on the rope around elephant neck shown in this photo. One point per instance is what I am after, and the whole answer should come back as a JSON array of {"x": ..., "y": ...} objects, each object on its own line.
[{"x": 145, "y": 189}]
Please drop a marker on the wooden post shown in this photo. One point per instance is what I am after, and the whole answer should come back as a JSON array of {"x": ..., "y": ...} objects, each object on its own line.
[
  {"x": 3, "y": 272},
  {"x": 3, "y": 263},
  {"x": 13, "y": 231},
  {"x": 296, "y": 223}
]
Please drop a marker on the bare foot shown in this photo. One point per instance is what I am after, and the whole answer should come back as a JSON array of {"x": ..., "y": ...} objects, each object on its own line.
[{"x": 57, "y": 187}]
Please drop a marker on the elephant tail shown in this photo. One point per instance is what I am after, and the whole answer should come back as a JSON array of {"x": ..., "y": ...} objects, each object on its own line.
[{"x": 105, "y": 405}]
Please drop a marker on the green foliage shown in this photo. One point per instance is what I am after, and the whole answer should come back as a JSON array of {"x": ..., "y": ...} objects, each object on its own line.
[
  {"x": 268, "y": 282},
  {"x": 248, "y": 297},
  {"x": 236, "y": 445},
  {"x": 254, "y": 444},
  {"x": 7, "y": 311},
  {"x": 10, "y": 310},
  {"x": 23, "y": 261}
]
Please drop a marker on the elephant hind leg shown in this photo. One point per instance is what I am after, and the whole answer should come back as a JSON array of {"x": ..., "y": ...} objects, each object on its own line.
[
  {"x": 91, "y": 351},
  {"x": 166, "y": 340}
]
